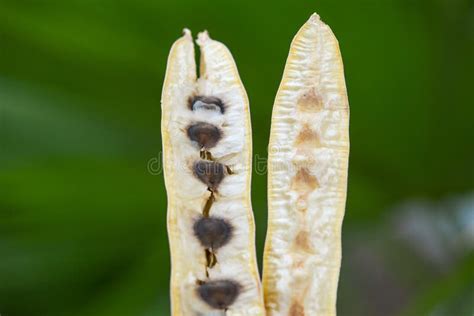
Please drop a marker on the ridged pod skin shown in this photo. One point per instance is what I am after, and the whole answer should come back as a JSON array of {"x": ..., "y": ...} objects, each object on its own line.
[
  {"x": 207, "y": 153},
  {"x": 307, "y": 177}
]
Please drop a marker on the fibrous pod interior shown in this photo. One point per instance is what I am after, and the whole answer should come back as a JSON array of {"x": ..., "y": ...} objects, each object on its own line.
[
  {"x": 307, "y": 177},
  {"x": 207, "y": 163}
]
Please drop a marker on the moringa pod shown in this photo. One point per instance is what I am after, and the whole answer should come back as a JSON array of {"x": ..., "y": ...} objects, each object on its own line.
[
  {"x": 193, "y": 112},
  {"x": 307, "y": 177}
]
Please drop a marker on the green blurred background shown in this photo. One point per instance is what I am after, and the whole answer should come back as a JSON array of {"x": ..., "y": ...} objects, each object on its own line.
[{"x": 82, "y": 219}]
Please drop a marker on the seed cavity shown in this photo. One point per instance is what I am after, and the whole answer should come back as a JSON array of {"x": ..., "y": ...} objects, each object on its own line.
[
  {"x": 204, "y": 134},
  {"x": 209, "y": 172},
  {"x": 298, "y": 264},
  {"x": 307, "y": 137},
  {"x": 219, "y": 294},
  {"x": 303, "y": 241},
  {"x": 301, "y": 204},
  {"x": 304, "y": 181},
  {"x": 213, "y": 232},
  {"x": 207, "y": 103},
  {"x": 296, "y": 309},
  {"x": 310, "y": 101}
]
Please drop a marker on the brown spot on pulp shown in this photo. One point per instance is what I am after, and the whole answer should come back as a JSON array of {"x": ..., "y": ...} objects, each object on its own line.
[
  {"x": 303, "y": 242},
  {"x": 310, "y": 101},
  {"x": 296, "y": 309},
  {"x": 307, "y": 137},
  {"x": 298, "y": 264},
  {"x": 304, "y": 181}
]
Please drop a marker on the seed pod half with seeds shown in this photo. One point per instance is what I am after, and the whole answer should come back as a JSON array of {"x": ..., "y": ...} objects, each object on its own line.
[
  {"x": 207, "y": 165},
  {"x": 307, "y": 177}
]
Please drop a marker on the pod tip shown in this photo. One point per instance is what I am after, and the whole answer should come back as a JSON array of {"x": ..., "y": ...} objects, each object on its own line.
[
  {"x": 203, "y": 37},
  {"x": 187, "y": 33},
  {"x": 314, "y": 18}
]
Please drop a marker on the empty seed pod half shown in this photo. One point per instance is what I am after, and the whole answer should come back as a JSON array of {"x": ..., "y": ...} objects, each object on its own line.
[
  {"x": 207, "y": 166},
  {"x": 307, "y": 177}
]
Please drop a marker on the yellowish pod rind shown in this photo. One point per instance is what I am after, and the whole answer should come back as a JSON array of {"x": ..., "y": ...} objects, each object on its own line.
[
  {"x": 188, "y": 195},
  {"x": 307, "y": 177}
]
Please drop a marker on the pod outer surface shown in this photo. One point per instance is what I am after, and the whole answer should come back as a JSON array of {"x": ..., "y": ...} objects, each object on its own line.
[
  {"x": 307, "y": 177},
  {"x": 219, "y": 188}
]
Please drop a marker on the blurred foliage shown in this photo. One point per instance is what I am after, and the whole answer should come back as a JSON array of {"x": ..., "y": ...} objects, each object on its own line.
[{"x": 82, "y": 221}]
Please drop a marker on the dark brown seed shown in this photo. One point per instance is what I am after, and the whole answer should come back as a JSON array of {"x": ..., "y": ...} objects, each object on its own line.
[
  {"x": 206, "y": 103},
  {"x": 212, "y": 232},
  {"x": 219, "y": 294},
  {"x": 209, "y": 172},
  {"x": 206, "y": 135}
]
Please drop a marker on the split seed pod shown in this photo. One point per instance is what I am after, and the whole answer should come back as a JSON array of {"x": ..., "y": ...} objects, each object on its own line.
[
  {"x": 207, "y": 165},
  {"x": 307, "y": 177}
]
